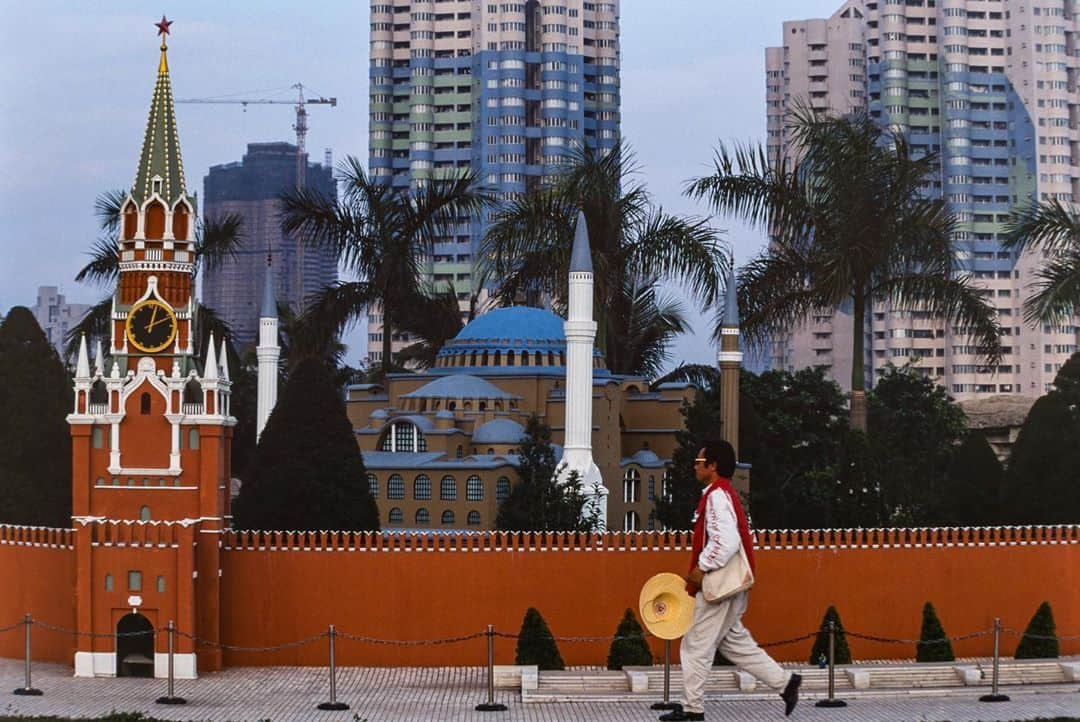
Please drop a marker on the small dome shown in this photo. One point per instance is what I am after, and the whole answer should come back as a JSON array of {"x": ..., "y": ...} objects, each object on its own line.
[
  {"x": 444, "y": 414},
  {"x": 498, "y": 431},
  {"x": 645, "y": 456},
  {"x": 379, "y": 414},
  {"x": 459, "y": 386}
]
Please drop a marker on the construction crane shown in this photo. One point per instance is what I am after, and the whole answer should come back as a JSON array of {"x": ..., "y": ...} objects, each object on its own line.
[{"x": 301, "y": 126}]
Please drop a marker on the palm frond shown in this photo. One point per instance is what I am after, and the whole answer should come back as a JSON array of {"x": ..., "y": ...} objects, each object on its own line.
[
  {"x": 218, "y": 239},
  {"x": 1051, "y": 225},
  {"x": 700, "y": 375},
  {"x": 104, "y": 265},
  {"x": 108, "y": 207},
  {"x": 95, "y": 323},
  {"x": 1056, "y": 296}
]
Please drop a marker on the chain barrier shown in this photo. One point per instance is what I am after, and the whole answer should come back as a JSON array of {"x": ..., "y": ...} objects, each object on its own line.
[
  {"x": 409, "y": 642},
  {"x": 98, "y": 635},
  {"x": 11, "y": 627},
  {"x": 1048, "y": 637},
  {"x": 585, "y": 639},
  {"x": 942, "y": 640},
  {"x": 235, "y": 648}
]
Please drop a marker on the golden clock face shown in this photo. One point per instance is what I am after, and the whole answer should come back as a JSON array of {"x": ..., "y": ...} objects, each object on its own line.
[{"x": 151, "y": 326}]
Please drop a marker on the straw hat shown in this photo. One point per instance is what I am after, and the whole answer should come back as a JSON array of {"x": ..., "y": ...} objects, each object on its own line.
[{"x": 665, "y": 607}]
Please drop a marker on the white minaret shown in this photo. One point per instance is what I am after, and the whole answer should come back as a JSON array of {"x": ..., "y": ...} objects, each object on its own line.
[
  {"x": 267, "y": 352},
  {"x": 580, "y": 329}
]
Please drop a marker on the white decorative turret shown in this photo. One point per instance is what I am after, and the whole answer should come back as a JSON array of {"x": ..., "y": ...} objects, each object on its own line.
[
  {"x": 580, "y": 329},
  {"x": 267, "y": 352}
]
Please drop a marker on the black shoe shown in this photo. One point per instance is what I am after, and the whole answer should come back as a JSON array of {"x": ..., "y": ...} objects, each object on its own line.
[
  {"x": 677, "y": 715},
  {"x": 790, "y": 695}
]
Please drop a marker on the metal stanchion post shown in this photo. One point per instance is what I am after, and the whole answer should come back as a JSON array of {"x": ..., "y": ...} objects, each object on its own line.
[
  {"x": 831, "y": 700},
  {"x": 28, "y": 688},
  {"x": 333, "y": 704},
  {"x": 171, "y": 697},
  {"x": 994, "y": 695},
  {"x": 666, "y": 703},
  {"x": 491, "y": 705}
]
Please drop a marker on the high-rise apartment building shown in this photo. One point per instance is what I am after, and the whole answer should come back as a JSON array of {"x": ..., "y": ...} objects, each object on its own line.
[
  {"x": 56, "y": 316},
  {"x": 250, "y": 189},
  {"x": 504, "y": 89},
  {"x": 992, "y": 87}
]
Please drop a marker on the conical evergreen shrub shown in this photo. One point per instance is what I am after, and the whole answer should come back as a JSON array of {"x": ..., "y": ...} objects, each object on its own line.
[
  {"x": 821, "y": 643},
  {"x": 536, "y": 645},
  {"x": 629, "y": 649},
  {"x": 1043, "y": 644},
  {"x": 930, "y": 648}
]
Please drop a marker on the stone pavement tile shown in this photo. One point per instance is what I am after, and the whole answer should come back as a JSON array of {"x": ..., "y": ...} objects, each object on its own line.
[{"x": 290, "y": 694}]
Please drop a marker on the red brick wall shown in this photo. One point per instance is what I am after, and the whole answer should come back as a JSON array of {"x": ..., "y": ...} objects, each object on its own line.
[
  {"x": 283, "y": 587},
  {"x": 294, "y": 585},
  {"x": 37, "y": 575}
]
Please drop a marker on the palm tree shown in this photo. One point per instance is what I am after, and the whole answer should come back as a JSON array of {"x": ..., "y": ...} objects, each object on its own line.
[
  {"x": 216, "y": 240},
  {"x": 848, "y": 222},
  {"x": 1055, "y": 228},
  {"x": 384, "y": 235},
  {"x": 634, "y": 245}
]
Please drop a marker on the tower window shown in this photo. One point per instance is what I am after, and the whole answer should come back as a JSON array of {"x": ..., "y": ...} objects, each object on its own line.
[
  {"x": 144, "y": 404},
  {"x": 161, "y": 585},
  {"x": 98, "y": 436},
  {"x": 108, "y": 583},
  {"x": 193, "y": 439},
  {"x": 144, "y": 514},
  {"x": 134, "y": 581}
]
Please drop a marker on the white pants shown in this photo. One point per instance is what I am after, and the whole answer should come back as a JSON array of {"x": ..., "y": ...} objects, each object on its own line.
[{"x": 718, "y": 625}]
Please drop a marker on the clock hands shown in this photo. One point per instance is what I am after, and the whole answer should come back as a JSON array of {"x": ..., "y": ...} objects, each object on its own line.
[{"x": 152, "y": 317}]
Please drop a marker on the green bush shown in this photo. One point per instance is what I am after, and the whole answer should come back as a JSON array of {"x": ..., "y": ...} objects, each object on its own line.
[
  {"x": 1041, "y": 625},
  {"x": 930, "y": 647},
  {"x": 536, "y": 645},
  {"x": 821, "y": 643},
  {"x": 629, "y": 648}
]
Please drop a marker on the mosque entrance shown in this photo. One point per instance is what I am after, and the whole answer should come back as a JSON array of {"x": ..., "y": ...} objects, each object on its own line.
[{"x": 134, "y": 646}]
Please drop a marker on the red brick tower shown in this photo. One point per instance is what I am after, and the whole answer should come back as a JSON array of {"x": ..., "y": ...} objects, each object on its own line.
[{"x": 151, "y": 434}]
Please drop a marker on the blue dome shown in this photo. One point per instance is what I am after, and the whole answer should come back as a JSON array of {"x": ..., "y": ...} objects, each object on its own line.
[
  {"x": 498, "y": 431},
  {"x": 517, "y": 323},
  {"x": 510, "y": 341}
]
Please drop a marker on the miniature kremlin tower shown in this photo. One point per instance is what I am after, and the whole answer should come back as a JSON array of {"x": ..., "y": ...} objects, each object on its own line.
[{"x": 151, "y": 435}]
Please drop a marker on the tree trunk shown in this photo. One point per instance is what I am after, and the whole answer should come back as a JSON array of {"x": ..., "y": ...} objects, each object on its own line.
[
  {"x": 386, "y": 331},
  {"x": 858, "y": 369}
]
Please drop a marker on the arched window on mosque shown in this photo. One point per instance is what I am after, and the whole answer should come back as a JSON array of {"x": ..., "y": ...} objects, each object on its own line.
[
  {"x": 403, "y": 437},
  {"x": 631, "y": 522},
  {"x": 448, "y": 488},
  {"x": 502, "y": 489},
  {"x": 395, "y": 487},
  {"x": 448, "y": 517},
  {"x": 422, "y": 487},
  {"x": 423, "y": 516},
  {"x": 631, "y": 486},
  {"x": 473, "y": 519},
  {"x": 373, "y": 485},
  {"x": 396, "y": 516},
  {"x": 474, "y": 489},
  {"x": 665, "y": 485}
]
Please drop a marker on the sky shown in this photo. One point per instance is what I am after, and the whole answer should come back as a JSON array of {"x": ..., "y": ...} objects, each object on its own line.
[{"x": 77, "y": 77}]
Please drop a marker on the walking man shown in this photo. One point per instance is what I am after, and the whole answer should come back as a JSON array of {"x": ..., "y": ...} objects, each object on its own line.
[{"x": 719, "y": 529}]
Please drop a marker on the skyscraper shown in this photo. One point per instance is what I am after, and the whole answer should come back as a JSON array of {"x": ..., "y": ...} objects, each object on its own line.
[
  {"x": 992, "y": 86},
  {"x": 251, "y": 189},
  {"x": 505, "y": 89},
  {"x": 56, "y": 316}
]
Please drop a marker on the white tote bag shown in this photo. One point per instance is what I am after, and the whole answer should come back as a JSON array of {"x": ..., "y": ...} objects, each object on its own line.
[{"x": 730, "y": 579}]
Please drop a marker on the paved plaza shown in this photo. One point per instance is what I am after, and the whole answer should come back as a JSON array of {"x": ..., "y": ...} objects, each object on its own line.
[{"x": 290, "y": 694}]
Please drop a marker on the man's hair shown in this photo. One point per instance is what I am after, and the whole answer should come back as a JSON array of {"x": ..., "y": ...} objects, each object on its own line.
[{"x": 722, "y": 454}]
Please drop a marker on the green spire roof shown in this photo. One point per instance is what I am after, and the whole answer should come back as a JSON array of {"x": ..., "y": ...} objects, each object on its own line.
[{"x": 160, "y": 156}]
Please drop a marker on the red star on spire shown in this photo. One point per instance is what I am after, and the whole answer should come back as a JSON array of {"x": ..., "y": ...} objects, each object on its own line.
[{"x": 163, "y": 26}]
